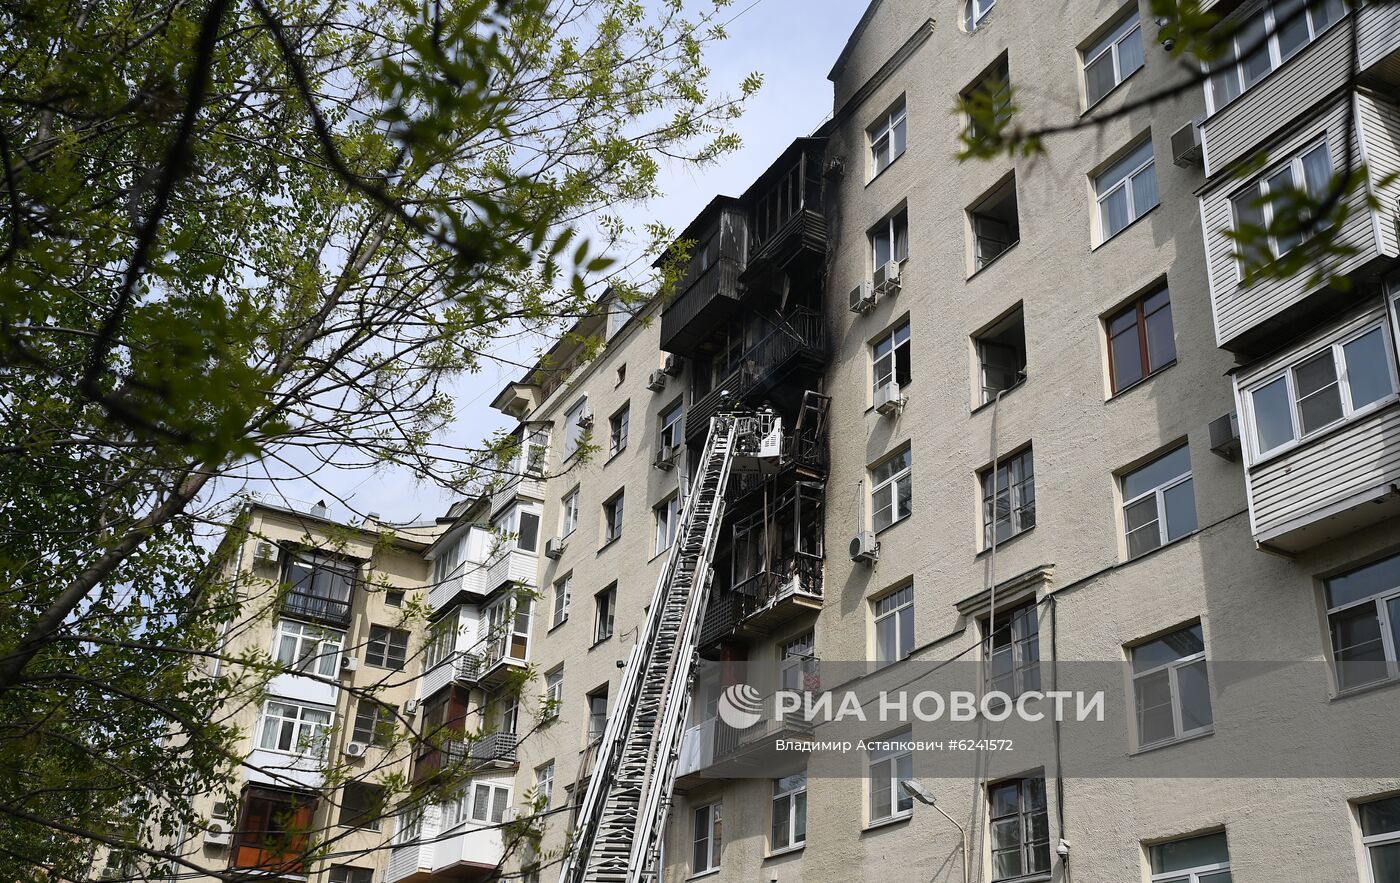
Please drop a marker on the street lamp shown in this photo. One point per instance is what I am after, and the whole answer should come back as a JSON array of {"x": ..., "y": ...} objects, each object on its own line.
[{"x": 919, "y": 792}]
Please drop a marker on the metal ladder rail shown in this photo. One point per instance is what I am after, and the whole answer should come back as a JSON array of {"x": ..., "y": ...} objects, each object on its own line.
[{"x": 591, "y": 838}]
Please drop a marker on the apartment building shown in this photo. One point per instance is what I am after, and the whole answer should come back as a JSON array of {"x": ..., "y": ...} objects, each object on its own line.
[{"x": 1036, "y": 414}]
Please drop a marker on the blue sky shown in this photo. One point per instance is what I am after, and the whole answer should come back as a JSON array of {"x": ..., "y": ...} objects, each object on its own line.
[{"x": 793, "y": 44}]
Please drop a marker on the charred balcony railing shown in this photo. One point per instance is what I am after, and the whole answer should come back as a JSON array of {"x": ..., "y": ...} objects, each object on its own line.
[
  {"x": 760, "y": 597},
  {"x": 498, "y": 747},
  {"x": 799, "y": 338}
]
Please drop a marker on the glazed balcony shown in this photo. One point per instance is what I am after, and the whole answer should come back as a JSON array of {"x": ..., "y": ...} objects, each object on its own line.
[
  {"x": 464, "y": 853},
  {"x": 798, "y": 342},
  {"x": 713, "y": 750},
  {"x": 763, "y": 603},
  {"x": 467, "y": 581}
]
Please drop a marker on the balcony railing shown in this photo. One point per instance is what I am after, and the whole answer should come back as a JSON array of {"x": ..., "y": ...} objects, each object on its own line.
[
  {"x": 762, "y": 597},
  {"x": 800, "y": 335},
  {"x": 322, "y": 608},
  {"x": 497, "y": 748}
]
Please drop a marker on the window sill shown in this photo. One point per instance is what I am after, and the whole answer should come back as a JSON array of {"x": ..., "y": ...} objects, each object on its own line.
[
  {"x": 556, "y": 625},
  {"x": 893, "y": 524},
  {"x": 1003, "y": 544},
  {"x": 1131, "y": 224},
  {"x": 875, "y": 177},
  {"x": 1345, "y": 422},
  {"x": 598, "y": 641},
  {"x": 1141, "y": 381},
  {"x": 993, "y": 262},
  {"x": 1167, "y": 545},
  {"x": 710, "y": 873},
  {"x": 1004, "y": 393},
  {"x": 603, "y": 548},
  {"x": 1088, "y": 111},
  {"x": 1349, "y": 692},
  {"x": 786, "y": 851},
  {"x": 615, "y": 454},
  {"x": 1158, "y": 746},
  {"x": 896, "y": 819}
]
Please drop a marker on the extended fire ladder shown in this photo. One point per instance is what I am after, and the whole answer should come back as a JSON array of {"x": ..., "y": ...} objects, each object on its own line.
[{"x": 621, "y": 819}]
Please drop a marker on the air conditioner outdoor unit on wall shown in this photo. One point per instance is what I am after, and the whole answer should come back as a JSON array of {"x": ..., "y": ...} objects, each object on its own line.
[
  {"x": 219, "y": 833},
  {"x": 666, "y": 457},
  {"x": 865, "y": 549},
  {"x": 656, "y": 381},
  {"x": 886, "y": 279},
  {"x": 887, "y": 398},
  {"x": 554, "y": 548},
  {"x": 1186, "y": 145},
  {"x": 349, "y": 663},
  {"x": 356, "y": 749},
  {"x": 672, "y": 365},
  {"x": 1225, "y": 436},
  {"x": 862, "y": 298},
  {"x": 410, "y": 707}
]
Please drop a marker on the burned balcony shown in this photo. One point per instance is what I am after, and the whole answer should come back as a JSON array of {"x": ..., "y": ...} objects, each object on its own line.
[
  {"x": 764, "y": 601},
  {"x": 708, "y": 293},
  {"x": 795, "y": 342},
  {"x": 787, "y": 230}
]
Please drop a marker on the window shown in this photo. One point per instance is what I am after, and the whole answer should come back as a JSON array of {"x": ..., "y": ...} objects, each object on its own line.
[
  {"x": 347, "y": 874},
  {"x": 797, "y": 664},
  {"x": 891, "y": 354},
  {"x": 1171, "y": 692},
  {"x": 544, "y": 784},
  {"x": 1112, "y": 58},
  {"x": 1020, "y": 828},
  {"x": 889, "y": 241},
  {"x": 573, "y": 429},
  {"x": 1194, "y": 860},
  {"x": 604, "y": 609},
  {"x": 394, "y": 597},
  {"x": 887, "y": 139},
  {"x": 620, "y": 376},
  {"x": 995, "y": 224},
  {"x": 668, "y": 520},
  {"x": 553, "y": 693},
  {"x": 374, "y": 723},
  {"x": 568, "y": 517},
  {"x": 563, "y": 593},
  {"x": 534, "y": 449},
  {"x": 1126, "y": 190},
  {"x": 273, "y": 829},
  {"x": 612, "y": 518},
  {"x": 1013, "y": 652},
  {"x": 1363, "y": 617},
  {"x": 319, "y": 587},
  {"x": 294, "y": 728},
  {"x": 618, "y": 314},
  {"x": 1271, "y": 37},
  {"x": 891, "y": 490},
  {"x": 1008, "y": 498},
  {"x": 708, "y": 839},
  {"x": 508, "y": 627},
  {"x": 308, "y": 648},
  {"x": 409, "y": 826},
  {"x": 670, "y": 432},
  {"x": 789, "y": 812},
  {"x": 891, "y": 762},
  {"x": 361, "y": 805},
  {"x": 987, "y": 100},
  {"x": 386, "y": 647},
  {"x": 510, "y": 715},
  {"x": 489, "y": 803},
  {"x": 1159, "y": 502},
  {"x": 974, "y": 11},
  {"x": 1380, "y": 834},
  {"x": 617, "y": 431},
  {"x": 518, "y": 528},
  {"x": 1001, "y": 355},
  {"x": 1266, "y": 210},
  {"x": 1140, "y": 339},
  {"x": 1322, "y": 390},
  {"x": 894, "y": 626},
  {"x": 597, "y": 713}
]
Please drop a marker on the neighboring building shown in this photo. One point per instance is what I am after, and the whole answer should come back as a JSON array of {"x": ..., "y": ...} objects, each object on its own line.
[{"x": 1019, "y": 372}]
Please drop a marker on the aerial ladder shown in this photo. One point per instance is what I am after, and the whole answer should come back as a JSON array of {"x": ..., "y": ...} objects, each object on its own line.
[{"x": 623, "y": 814}]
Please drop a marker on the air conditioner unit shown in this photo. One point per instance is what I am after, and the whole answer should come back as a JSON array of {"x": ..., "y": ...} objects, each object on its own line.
[
  {"x": 656, "y": 381},
  {"x": 585, "y": 420},
  {"x": 887, "y": 398},
  {"x": 865, "y": 549},
  {"x": 220, "y": 811},
  {"x": 1186, "y": 145},
  {"x": 410, "y": 707},
  {"x": 264, "y": 551},
  {"x": 356, "y": 749},
  {"x": 672, "y": 365},
  {"x": 218, "y": 833},
  {"x": 553, "y": 548},
  {"x": 349, "y": 663},
  {"x": 862, "y": 298},
  {"x": 666, "y": 457},
  {"x": 886, "y": 279},
  {"x": 1225, "y": 436}
]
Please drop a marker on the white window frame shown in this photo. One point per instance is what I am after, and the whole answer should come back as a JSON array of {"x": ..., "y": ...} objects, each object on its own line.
[
  {"x": 553, "y": 697},
  {"x": 618, "y": 429},
  {"x": 1110, "y": 44},
  {"x": 497, "y": 803},
  {"x": 1349, "y": 413},
  {"x": 1173, "y": 668},
  {"x": 614, "y": 510},
  {"x": 884, "y": 367},
  {"x": 1369, "y": 841},
  {"x": 563, "y": 596},
  {"x": 1260, "y": 190},
  {"x": 605, "y": 614},
  {"x": 568, "y": 515},
  {"x": 790, "y": 793},
  {"x": 312, "y": 646},
  {"x": 669, "y": 431},
  {"x": 573, "y": 433},
  {"x": 309, "y": 738},
  {"x": 1276, "y": 59},
  {"x": 888, "y": 779},
  {"x": 797, "y": 661},
  {"x": 890, "y": 485},
  {"x": 1023, "y": 624},
  {"x": 975, "y": 11},
  {"x": 900, "y": 605},
  {"x": 596, "y": 725},
  {"x": 506, "y": 621},
  {"x": 889, "y": 229},
  {"x": 713, "y": 836},
  {"x": 1187, "y": 875},
  {"x": 1016, "y": 503},
  {"x": 408, "y": 825},
  {"x": 1380, "y": 602},
  {"x": 1128, "y": 178},
  {"x": 544, "y": 782},
  {"x": 668, "y": 521},
  {"x": 884, "y": 132},
  {"x": 1159, "y": 492}
]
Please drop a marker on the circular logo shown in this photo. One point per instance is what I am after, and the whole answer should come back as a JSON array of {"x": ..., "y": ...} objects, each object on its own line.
[{"x": 740, "y": 706}]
